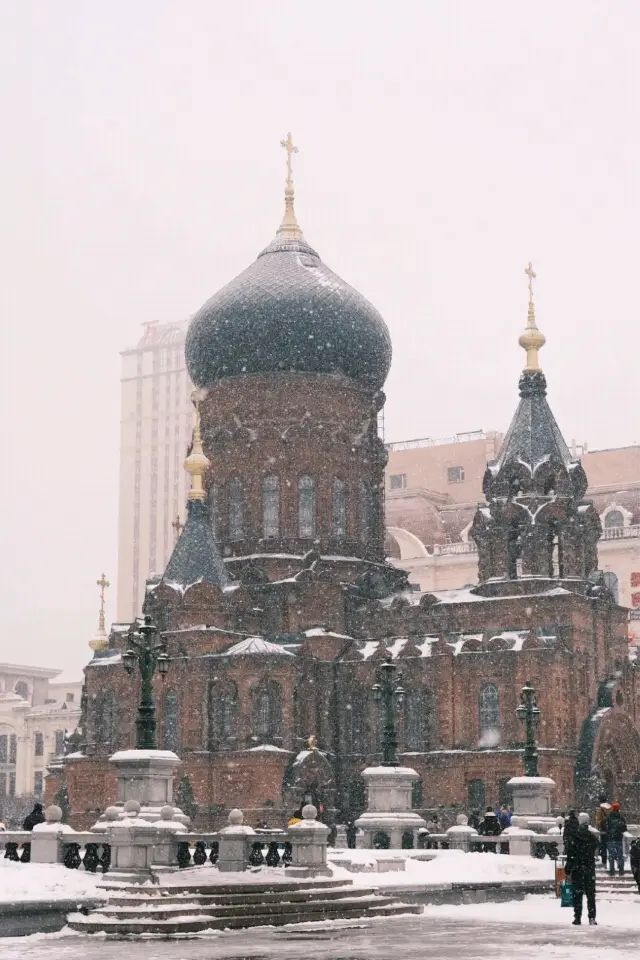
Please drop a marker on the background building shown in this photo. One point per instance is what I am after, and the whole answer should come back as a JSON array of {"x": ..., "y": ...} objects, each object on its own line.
[
  {"x": 433, "y": 488},
  {"x": 156, "y": 423},
  {"x": 35, "y": 713}
]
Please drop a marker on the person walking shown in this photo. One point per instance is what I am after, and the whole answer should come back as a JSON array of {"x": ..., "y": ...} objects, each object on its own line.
[
  {"x": 35, "y": 817},
  {"x": 616, "y": 827},
  {"x": 602, "y": 811},
  {"x": 634, "y": 860},
  {"x": 581, "y": 868}
]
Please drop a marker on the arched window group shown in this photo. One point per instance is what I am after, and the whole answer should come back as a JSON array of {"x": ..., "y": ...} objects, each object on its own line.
[
  {"x": 270, "y": 508},
  {"x": 489, "y": 716}
]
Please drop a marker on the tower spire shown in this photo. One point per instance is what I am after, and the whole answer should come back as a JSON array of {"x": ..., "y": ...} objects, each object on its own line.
[
  {"x": 532, "y": 339},
  {"x": 196, "y": 463},
  {"x": 289, "y": 226},
  {"x": 100, "y": 641}
]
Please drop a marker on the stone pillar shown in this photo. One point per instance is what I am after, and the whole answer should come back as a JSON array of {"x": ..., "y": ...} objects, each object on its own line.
[
  {"x": 341, "y": 836},
  {"x": 132, "y": 842},
  {"x": 168, "y": 830},
  {"x": 519, "y": 837},
  {"x": 232, "y": 844},
  {"x": 388, "y": 806},
  {"x": 532, "y": 796},
  {"x": 308, "y": 846},
  {"x": 146, "y": 776}
]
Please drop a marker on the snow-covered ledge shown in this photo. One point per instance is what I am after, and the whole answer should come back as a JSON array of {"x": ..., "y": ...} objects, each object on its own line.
[{"x": 388, "y": 806}]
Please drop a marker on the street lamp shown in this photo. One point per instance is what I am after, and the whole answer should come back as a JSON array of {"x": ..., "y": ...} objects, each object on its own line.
[
  {"x": 392, "y": 696},
  {"x": 529, "y": 713},
  {"x": 147, "y": 655}
]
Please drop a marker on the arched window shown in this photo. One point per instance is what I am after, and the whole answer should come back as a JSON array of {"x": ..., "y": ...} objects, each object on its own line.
[
  {"x": 38, "y": 739},
  {"x": 611, "y": 581},
  {"x": 105, "y": 717},
  {"x": 267, "y": 721},
  {"x": 417, "y": 720},
  {"x": 365, "y": 513},
  {"x": 213, "y": 508},
  {"x": 338, "y": 508},
  {"x": 236, "y": 509},
  {"x": 476, "y": 795},
  {"x": 489, "y": 714},
  {"x": 22, "y": 689},
  {"x": 614, "y": 518},
  {"x": 306, "y": 507},
  {"x": 356, "y": 727},
  {"x": 171, "y": 723},
  {"x": 514, "y": 550},
  {"x": 223, "y": 712},
  {"x": 554, "y": 548},
  {"x": 271, "y": 506}
]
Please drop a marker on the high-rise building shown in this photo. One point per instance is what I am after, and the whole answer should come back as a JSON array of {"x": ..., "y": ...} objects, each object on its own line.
[{"x": 155, "y": 430}]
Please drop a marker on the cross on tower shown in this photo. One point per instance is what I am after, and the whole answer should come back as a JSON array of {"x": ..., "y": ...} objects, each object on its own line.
[
  {"x": 291, "y": 149},
  {"x": 177, "y": 527},
  {"x": 532, "y": 276},
  {"x": 103, "y": 583}
]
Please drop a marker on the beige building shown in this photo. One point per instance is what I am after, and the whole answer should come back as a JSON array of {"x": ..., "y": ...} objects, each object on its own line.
[
  {"x": 35, "y": 713},
  {"x": 155, "y": 430},
  {"x": 433, "y": 488}
]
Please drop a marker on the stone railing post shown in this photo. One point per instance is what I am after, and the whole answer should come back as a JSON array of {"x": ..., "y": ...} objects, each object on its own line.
[
  {"x": 519, "y": 837},
  {"x": 308, "y": 846},
  {"x": 341, "y": 836},
  {"x": 169, "y": 830},
  {"x": 232, "y": 844},
  {"x": 461, "y": 837},
  {"x": 46, "y": 838},
  {"x": 132, "y": 841}
]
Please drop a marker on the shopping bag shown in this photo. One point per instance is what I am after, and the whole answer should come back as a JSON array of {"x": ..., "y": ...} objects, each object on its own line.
[{"x": 566, "y": 894}]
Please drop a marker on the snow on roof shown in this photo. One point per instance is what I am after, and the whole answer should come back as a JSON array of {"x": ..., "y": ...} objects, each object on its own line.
[
  {"x": 321, "y": 632},
  {"x": 266, "y": 748},
  {"x": 369, "y": 648},
  {"x": 106, "y": 661},
  {"x": 397, "y": 646},
  {"x": 256, "y": 645},
  {"x": 599, "y": 714}
]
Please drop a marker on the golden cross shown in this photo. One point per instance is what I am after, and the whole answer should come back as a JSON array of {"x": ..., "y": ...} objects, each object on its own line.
[
  {"x": 312, "y": 742},
  {"x": 289, "y": 147},
  {"x": 532, "y": 276},
  {"x": 177, "y": 527},
  {"x": 103, "y": 583}
]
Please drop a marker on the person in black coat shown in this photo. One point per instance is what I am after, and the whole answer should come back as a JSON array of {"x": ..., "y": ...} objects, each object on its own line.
[
  {"x": 35, "y": 817},
  {"x": 634, "y": 860},
  {"x": 490, "y": 827},
  {"x": 570, "y": 830},
  {"x": 616, "y": 827},
  {"x": 581, "y": 868}
]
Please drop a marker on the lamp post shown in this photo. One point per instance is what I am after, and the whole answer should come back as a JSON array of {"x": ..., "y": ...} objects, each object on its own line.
[
  {"x": 392, "y": 696},
  {"x": 147, "y": 655},
  {"x": 529, "y": 713}
]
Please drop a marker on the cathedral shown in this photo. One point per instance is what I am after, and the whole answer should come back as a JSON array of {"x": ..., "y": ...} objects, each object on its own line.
[{"x": 278, "y": 605}]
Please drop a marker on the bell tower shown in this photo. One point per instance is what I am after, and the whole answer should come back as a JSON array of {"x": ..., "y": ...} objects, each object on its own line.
[{"x": 536, "y": 525}]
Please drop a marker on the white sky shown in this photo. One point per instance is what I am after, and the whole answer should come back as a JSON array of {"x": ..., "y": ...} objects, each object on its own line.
[{"x": 442, "y": 145}]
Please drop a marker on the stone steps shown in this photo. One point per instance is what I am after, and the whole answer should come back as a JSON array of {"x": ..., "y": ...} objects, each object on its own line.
[
  {"x": 203, "y": 900},
  {"x": 618, "y": 886},
  {"x": 234, "y": 906}
]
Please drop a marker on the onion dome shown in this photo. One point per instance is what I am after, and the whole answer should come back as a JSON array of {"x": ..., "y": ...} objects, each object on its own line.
[{"x": 288, "y": 312}]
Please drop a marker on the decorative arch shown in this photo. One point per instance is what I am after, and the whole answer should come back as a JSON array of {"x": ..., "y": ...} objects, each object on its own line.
[
  {"x": 615, "y": 516},
  {"x": 409, "y": 545},
  {"x": 609, "y": 756}
]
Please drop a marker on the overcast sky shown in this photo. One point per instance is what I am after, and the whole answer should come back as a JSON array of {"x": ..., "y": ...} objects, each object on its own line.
[{"x": 442, "y": 146}]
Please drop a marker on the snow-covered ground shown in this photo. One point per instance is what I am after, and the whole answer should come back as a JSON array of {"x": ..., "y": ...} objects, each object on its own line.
[
  {"x": 543, "y": 910},
  {"x": 447, "y": 866},
  {"x": 44, "y": 881}
]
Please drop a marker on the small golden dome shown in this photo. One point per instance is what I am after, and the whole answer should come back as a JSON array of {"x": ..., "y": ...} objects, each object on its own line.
[
  {"x": 532, "y": 339},
  {"x": 196, "y": 463}
]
